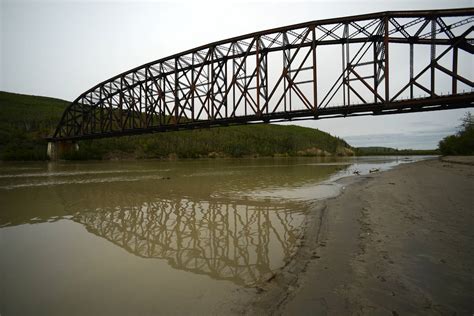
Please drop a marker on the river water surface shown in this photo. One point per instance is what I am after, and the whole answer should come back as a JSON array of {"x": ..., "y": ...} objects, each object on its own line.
[{"x": 154, "y": 237}]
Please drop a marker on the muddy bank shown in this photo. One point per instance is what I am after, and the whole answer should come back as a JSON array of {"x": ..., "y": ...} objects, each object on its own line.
[{"x": 397, "y": 242}]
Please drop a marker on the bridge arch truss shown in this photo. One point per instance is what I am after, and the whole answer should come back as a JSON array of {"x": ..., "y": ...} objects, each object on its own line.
[{"x": 381, "y": 63}]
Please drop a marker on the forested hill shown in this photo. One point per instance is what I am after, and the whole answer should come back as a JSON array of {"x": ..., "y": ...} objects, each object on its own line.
[{"x": 25, "y": 121}]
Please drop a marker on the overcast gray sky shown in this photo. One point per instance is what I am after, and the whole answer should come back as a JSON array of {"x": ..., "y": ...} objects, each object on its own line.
[{"x": 62, "y": 48}]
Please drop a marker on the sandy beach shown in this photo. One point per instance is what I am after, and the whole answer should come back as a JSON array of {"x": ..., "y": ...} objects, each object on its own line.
[{"x": 393, "y": 243}]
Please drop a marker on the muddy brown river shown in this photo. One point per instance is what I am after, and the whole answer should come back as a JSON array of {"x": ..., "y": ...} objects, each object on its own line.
[{"x": 154, "y": 237}]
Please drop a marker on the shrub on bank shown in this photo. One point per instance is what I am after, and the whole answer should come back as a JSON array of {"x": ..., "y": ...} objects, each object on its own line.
[{"x": 462, "y": 143}]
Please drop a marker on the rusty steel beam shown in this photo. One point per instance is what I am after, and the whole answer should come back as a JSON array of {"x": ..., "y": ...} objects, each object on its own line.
[{"x": 236, "y": 81}]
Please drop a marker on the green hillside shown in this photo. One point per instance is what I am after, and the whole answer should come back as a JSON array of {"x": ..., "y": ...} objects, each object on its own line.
[{"x": 26, "y": 120}]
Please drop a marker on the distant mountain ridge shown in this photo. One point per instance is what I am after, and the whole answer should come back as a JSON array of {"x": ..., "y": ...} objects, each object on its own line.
[{"x": 26, "y": 120}]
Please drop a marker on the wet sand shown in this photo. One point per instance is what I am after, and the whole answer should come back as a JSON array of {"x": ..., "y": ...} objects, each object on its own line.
[{"x": 393, "y": 243}]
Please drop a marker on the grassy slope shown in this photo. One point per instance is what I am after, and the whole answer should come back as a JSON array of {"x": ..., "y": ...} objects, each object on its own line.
[{"x": 26, "y": 120}]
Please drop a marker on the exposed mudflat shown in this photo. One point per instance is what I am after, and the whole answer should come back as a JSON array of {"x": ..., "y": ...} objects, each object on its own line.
[{"x": 396, "y": 242}]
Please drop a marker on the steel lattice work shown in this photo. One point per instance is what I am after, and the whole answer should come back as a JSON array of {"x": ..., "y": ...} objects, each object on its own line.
[
  {"x": 225, "y": 241},
  {"x": 382, "y": 63}
]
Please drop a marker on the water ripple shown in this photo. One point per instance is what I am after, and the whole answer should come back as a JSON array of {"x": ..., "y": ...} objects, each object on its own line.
[
  {"x": 76, "y": 173},
  {"x": 81, "y": 181}
]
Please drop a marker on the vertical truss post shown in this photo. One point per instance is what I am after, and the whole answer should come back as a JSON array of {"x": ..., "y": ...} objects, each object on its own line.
[
  {"x": 131, "y": 107},
  {"x": 113, "y": 118},
  {"x": 286, "y": 70},
  {"x": 234, "y": 78},
  {"x": 224, "y": 94},
  {"x": 108, "y": 116},
  {"x": 266, "y": 81},
  {"x": 121, "y": 104},
  {"x": 176, "y": 85},
  {"x": 433, "y": 55},
  {"x": 148, "y": 114},
  {"x": 92, "y": 112},
  {"x": 244, "y": 85},
  {"x": 386, "y": 69},
  {"x": 193, "y": 87},
  {"x": 455, "y": 70},
  {"x": 344, "y": 67},
  {"x": 411, "y": 69},
  {"x": 376, "y": 63},
  {"x": 101, "y": 114},
  {"x": 257, "y": 63},
  {"x": 315, "y": 86},
  {"x": 163, "y": 100},
  {"x": 262, "y": 77},
  {"x": 211, "y": 84},
  {"x": 140, "y": 114},
  {"x": 348, "y": 66}
]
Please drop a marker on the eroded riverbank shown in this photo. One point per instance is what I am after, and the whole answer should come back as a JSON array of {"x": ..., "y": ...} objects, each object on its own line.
[{"x": 396, "y": 242}]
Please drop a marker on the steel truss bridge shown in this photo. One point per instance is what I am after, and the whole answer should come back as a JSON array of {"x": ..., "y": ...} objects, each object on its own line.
[{"x": 373, "y": 64}]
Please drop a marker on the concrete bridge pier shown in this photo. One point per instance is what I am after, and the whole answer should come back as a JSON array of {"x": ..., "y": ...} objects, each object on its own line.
[{"x": 56, "y": 150}]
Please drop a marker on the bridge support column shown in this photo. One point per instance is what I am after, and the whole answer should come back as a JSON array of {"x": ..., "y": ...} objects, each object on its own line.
[{"x": 56, "y": 150}]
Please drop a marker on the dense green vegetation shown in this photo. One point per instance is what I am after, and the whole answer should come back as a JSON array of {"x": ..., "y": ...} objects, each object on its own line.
[
  {"x": 26, "y": 120},
  {"x": 462, "y": 143},
  {"x": 387, "y": 151},
  {"x": 233, "y": 141}
]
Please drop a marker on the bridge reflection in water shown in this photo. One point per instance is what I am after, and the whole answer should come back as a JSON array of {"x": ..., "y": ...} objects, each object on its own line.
[
  {"x": 242, "y": 243},
  {"x": 150, "y": 237},
  {"x": 226, "y": 220}
]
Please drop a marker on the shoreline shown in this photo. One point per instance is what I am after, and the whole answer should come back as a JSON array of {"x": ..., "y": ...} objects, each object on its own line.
[
  {"x": 384, "y": 245},
  {"x": 247, "y": 157}
]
